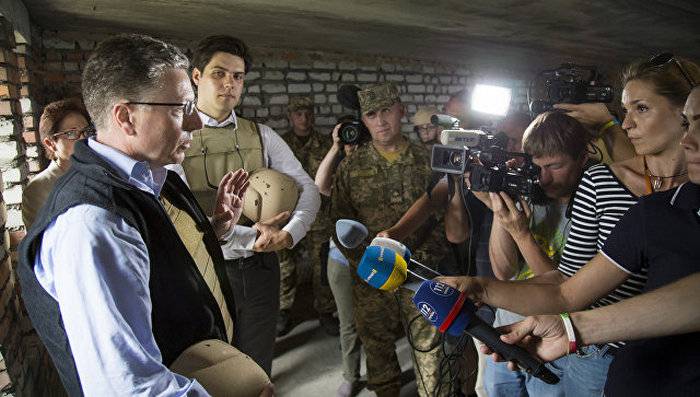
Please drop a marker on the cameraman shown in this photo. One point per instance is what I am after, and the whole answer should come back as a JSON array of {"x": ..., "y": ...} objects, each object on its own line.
[
  {"x": 527, "y": 240},
  {"x": 338, "y": 271},
  {"x": 375, "y": 186}
]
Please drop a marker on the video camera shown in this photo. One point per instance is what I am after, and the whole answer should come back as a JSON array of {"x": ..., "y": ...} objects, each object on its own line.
[
  {"x": 352, "y": 130},
  {"x": 483, "y": 155},
  {"x": 569, "y": 83}
]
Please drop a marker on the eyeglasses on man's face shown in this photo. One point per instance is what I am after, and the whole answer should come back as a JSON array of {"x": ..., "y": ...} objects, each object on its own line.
[
  {"x": 188, "y": 107},
  {"x": 74, "y": 134},
  {"x": 666, "y": 57}
]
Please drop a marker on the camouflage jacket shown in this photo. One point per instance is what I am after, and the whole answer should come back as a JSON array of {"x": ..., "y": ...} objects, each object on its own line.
[
  {"x": 369, "y": 189},
  {"x": 310, "y": 153}
]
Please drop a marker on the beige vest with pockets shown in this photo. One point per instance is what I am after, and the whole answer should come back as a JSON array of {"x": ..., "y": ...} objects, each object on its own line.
[{"x": 216, "y": 151}]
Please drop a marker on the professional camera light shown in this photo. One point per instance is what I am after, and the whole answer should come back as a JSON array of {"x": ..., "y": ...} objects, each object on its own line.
[{"x": 491, "y": 99}]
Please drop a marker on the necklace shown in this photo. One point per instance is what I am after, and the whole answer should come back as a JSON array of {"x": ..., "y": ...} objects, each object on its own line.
[{"x": 653, "y": 182}]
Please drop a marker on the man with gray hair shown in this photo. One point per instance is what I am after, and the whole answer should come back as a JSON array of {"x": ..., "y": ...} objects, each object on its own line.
[{"x": 109, "y": 286}]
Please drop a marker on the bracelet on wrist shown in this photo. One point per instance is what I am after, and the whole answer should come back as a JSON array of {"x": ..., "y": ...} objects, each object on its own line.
[
  {"x": 607, "y": 126},
  {"x": 570, "y": 334}
]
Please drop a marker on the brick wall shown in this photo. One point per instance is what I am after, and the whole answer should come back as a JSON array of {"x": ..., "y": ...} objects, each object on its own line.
[
  {"x": 23, "y": 359},
  {"x": 276, "y": 75},
  {"x": 10, "y": 150}
]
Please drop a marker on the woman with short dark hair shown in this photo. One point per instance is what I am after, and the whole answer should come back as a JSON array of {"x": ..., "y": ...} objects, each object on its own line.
[{"x": 62, "y": 123}]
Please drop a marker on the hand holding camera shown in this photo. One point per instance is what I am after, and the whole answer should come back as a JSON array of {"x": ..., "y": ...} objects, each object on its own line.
[{"x": 513, "y": 216}]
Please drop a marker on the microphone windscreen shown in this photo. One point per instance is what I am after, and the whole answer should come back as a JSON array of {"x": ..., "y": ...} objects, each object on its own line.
[
  {"x": 394, "y": 245},
  {"x": 434, "y": 301},
  {"x": 347, "y": 96},
  {"x": 382, "y": 268},
  {"x": 350, "y": 233}
]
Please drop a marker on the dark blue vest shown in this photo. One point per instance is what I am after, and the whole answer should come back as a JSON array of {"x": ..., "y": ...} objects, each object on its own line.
[{"x": 184, "y": 310}]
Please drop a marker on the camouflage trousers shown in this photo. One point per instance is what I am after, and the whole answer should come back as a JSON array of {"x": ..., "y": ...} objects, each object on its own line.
[
  {"x": 380, "y": 321},
  {"x": 309, "y": 250}
]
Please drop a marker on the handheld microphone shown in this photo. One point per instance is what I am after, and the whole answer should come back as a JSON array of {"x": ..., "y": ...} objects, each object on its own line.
[
  {"x": 402, "y": 250},
  {"x": 350, "y": 233},
  {"x": 394, "y": 245},
  {"x": 449, "y": 310},
  {"x": 382, "y": 268}
]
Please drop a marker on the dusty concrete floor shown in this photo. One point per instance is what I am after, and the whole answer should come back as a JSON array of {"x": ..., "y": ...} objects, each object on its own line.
[{"x": 308, "y": 362}]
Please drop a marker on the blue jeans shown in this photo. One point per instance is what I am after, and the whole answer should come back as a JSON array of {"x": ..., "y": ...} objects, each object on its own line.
[
  {"x": 587, "y": 373},
  {"x": 580, "y": 376},
  {"x": 499, "y": 381}
]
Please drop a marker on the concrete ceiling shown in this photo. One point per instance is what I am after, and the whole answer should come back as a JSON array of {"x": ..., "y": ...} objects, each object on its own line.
[{"x": 520, "y": 34}]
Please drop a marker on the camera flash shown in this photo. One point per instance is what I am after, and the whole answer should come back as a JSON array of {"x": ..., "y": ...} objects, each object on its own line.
[{"x": 491, "y": 99}]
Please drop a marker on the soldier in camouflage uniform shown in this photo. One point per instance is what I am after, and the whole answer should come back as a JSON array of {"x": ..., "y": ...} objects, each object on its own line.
[
  {"x": 309, "y": 147},
  {"x": 375, "y": 186}
]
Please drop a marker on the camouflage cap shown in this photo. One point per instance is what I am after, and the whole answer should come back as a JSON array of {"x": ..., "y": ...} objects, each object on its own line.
[
  {"x": 378, "y": 96},
  {"x": 300, "y": 102}
]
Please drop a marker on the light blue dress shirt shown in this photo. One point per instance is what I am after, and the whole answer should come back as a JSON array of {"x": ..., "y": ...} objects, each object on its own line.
[{"x": 96, "y": 267}]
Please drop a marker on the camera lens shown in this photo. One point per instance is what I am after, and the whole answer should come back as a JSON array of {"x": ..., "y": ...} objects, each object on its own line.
[
  {"x": 456, "y": 159},
  {"x": 349, "y": 133}
]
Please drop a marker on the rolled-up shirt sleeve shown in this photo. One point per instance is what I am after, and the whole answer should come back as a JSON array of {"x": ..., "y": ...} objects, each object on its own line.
[
  {"x": 97, "y": 268},
  {"x": 280, "y": 157},
  {"x": 624, "y": 246}
]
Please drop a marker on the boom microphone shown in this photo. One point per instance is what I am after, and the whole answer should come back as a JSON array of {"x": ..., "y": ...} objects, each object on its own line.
[{"x": 449, "y": 310}]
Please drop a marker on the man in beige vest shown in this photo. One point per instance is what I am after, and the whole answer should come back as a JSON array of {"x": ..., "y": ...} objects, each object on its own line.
[{"x": 228, "y": 142}]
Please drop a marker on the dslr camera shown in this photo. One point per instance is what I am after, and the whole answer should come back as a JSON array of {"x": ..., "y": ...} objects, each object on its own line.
[
  {"x": 483, "y": 154},
  {"x": 352, "y": 130},
  {"x": 569, "y": 83}
]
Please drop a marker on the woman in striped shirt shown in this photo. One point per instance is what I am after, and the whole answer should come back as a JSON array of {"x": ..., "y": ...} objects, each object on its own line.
[{"x": 653, "y": 98}]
